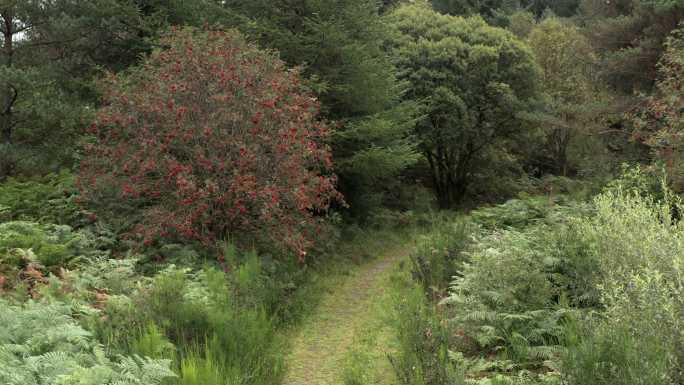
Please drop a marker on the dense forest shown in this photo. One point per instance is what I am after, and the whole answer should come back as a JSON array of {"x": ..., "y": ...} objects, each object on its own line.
[{"x": 357, "y": 192}]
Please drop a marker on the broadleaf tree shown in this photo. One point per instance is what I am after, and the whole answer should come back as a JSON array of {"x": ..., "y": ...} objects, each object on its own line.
[
  {"x": 574, "y": 96},
  {"x": 476, "y": 82}
]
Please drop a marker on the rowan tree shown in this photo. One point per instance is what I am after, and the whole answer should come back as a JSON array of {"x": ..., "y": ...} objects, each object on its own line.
[{"x": 211, "y": 138}]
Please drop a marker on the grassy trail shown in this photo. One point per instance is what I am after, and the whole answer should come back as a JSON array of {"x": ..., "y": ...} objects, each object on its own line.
[{"x": 348, "y": 331}]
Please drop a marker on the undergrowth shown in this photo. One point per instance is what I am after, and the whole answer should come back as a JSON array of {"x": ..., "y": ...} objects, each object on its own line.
[{"x": 549, "y": 291}]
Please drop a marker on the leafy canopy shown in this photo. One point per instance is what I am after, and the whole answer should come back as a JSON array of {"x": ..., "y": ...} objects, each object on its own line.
[
  {"x": 339, "y": 45},
  {"x": 475, "y": 80},
  {"x": 210, "y": 138}
]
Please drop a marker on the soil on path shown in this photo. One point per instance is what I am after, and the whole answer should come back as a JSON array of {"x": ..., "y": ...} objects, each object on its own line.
[{"x": 349, "y": 320}]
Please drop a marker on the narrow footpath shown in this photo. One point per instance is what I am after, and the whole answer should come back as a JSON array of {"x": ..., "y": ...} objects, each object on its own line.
[{"x": 348, "y": 329}]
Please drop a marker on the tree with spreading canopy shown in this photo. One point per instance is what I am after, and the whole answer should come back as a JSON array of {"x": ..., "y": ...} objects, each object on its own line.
[{"x": 475, "y": 81}]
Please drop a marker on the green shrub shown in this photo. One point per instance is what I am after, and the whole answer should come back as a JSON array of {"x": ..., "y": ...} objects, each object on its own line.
[
  {"x": 50, "y": 199},
  {"x": 53, "y": 245},
  {"x": 643, "y": 181},
  {"x": 515, "y": 213},
  {"x": 204, "y": 365},
  {"x": 609, "y": 353},
  {"x": 572, "y": 266},
  {"x": 640, "y": 249},
  {"x": 151, "y": 342},
  {"x": 215, "y": 320},
  {"x": 42, "y": 344},
  {"x": 504, "y": 302}
]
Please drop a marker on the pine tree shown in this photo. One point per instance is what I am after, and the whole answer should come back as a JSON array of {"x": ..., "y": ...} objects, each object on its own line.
[{"x": 339, "y": 43}]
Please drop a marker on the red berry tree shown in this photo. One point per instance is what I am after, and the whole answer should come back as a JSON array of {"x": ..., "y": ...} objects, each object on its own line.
[{"x": 211, "y": 138}]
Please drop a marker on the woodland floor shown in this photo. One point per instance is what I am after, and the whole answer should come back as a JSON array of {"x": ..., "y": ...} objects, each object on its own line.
[{"x": 348, "y": 330}]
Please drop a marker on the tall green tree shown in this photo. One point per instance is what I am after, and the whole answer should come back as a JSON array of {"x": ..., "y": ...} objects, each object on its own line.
[
  {"x": 476, "y": 82},
  {"x": 339, "y": 45},
  {"x": 568, "y": 78},
  {"x": 47, "y": 49}
]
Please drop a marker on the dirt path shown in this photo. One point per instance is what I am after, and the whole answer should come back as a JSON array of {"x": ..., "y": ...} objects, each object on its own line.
[{"x": 348, "y": 326}]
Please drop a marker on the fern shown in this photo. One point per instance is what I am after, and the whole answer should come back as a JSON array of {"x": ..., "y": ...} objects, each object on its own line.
[{"x": 42, "y": 344}]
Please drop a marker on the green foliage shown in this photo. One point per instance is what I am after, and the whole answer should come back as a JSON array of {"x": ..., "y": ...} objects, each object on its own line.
[
  {"x": 519, "y": 276},
  {"x": 637, "y": 339},
  {"x": 50, "y": 199},
  {"x": 494, "y": 11},
  {"x": 502, "y": 12},
  {"x": 504, "y": 301},
  {"x": 43, "y": 344},
  {"x": 52, "y": 245},
  {"x": 521, "y": 24},
  {"x": 340, "y": 46},
  {"x": 658, "y": 119},
  {"x": 472, "y": 102},
  {"x": 204, "y": 366},
  {"x": 575, "y": 100},
  {"x": 422, "y": 356},
  {"x": 46, "y": 89},
  {"x": 439, "y": 255},
  {"x": 516, "y": 303},
  {"x": 151, "y": 342},
  {"x": 630, "y": 35},
  {"x": 602, "y": 354},
  {"x": 517, "y": 213},
  {"x": 216, "y": 321},
  {"x": 639, "y": 180}
]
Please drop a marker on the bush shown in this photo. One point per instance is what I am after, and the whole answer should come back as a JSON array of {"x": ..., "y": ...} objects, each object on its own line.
[
  {"x": 211, "y": 138},
  {"x": 572, "y": 266},
  {"x": 29, "y": 250},
  {"x": 504, "y": 302},
  {"x": 515, "y": 213},
  {"x": 42, "y": 344},
  {"x": 50, "y": 199},
  {"x": 215, "y": 321},
  {"x": 609, "y": 353},
  {"x": 577, "y": 294},
  {"x": 638, "y": 339}
]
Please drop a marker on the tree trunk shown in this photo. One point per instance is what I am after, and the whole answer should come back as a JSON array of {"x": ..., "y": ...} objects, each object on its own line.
[{"x": 449, "y": 178}]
